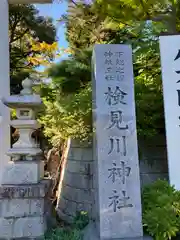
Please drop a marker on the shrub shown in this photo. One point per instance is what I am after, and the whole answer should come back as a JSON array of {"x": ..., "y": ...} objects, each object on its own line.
[
  {"x": 64, "y": 234},
  {"x": 161, "y": 210},
  {"x": 71, "y": 233},
  {"x": 81, "y": 220}
]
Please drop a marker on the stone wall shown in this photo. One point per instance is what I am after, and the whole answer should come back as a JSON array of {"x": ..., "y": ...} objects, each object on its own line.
[
  {"x": 24, "y": 210},
  {"x": 76, "y": 188},
  {"x": 76, "y": 191},
  {"x": 153, "y": 160}
]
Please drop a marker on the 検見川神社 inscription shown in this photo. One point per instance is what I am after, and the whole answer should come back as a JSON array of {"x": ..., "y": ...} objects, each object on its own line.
[{"x": 117, "y": 166}]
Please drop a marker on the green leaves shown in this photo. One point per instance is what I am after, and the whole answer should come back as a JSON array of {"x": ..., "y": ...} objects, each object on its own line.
[
  {"x": 73, "y": 232},
  {"x": 26, "y": 30},
  {"x": 133, "y": 11},
  {"x": 68, "y": 101},
  {"x": 68, "y": 116},
  {"x": 63, "y": 234},
  {"x": 161, "y": 210},
  {"x": 81, "y": 220}
]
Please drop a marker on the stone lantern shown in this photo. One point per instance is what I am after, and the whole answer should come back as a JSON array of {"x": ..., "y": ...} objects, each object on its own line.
[
  {"x": 5, "y": 76},
  {"x": 25, "y": 153},
  {"x": 23, "y": 190}
]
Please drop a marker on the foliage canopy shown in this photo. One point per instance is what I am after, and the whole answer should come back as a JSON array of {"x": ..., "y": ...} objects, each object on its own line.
[
  {"x": 104, "y": 22},
  {"x": 32, "y": 42}
]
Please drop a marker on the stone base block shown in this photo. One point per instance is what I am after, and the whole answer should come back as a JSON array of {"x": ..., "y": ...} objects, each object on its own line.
[
  {"x": 27, "y": 227},
  {"x": 90, "y": 233},
  {"x": 24, "y": 210},
  {"x": 23, "y": 172}
]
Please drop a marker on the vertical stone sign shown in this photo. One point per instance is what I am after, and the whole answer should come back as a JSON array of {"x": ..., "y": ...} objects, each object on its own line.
[
  {"x": 170, "y": 65},
  {"x": 118, "y": 181}
]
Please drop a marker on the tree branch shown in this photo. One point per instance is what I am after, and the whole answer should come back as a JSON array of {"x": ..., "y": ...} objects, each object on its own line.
[
  {"x": 145, "y": 10},
  {"x": 20, "y": 36},
  {"x": 12, "y": 30},
  {"x": 74, "y": 2}
]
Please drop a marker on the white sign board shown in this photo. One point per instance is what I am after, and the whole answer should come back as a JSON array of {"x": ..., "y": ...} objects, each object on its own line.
[
  {"x": 170, "y": 64},
  {"x": 118, "y": 183}
]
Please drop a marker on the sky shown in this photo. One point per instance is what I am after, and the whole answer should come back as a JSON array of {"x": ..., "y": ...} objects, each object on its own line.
[{"x": 55, "y": 11}]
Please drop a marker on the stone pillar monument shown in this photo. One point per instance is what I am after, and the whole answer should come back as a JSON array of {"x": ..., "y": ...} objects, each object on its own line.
[
  {"x": 23, "y": 190},
  {"x": 117, "y": 183}
]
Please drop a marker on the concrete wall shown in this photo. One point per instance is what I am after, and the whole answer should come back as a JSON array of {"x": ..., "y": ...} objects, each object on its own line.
[
  {"x": 153, "y": 159},
  {"x": 76, "y": 192}
]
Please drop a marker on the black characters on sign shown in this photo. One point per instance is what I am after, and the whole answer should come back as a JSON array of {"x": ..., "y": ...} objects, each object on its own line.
[
  {"x": 119, "y": 66},
  {"x": 177, "y": 56},
  {"x": 116, "y": 120},
  {"x": 115, "y": 71},
  {"x": 120, "y": 172},
  {"x": 109, "y": 77},
  {"x": 178, "y": 72},
  {"x": 115, "y": 97},
  {"x": 120, "y": 62},
  {"x": 108, "y": 54},
  {"x": 117, "y": 202},
  {"x": 109, "y": 64},
  {"x": 114, "y": 61},
  {"x": 115, "y": 145}
]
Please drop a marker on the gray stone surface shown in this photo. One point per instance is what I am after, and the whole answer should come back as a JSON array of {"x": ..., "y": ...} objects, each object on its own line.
[
  {"x": 79, "y": 155},
  {"x": 22, "y": 172},
  {"x": 25, "y": 191},
  {"x": 21, "y": 207},
  {"x": 78, "y": 195},
  {"x": 71, "y": 207},
  {"x": 6, "y": 228},
  {"x": 24, "y": 210},
  {"x": 149, "y": 178},
  {"x": 153, "y": 151},
  {"x": 64, "y": 216},
  {"x": 14, "y": 207},
  {"x": 80, "y": 167},
  {"x": 90, "y": 233},
  {"x": 75, "y": 191},
  {"x": 29, "y": 227},
  {"x": 36, "y": 238},
  {"x": 118, "y": 182},
  {"x": 37, "y": 207},
  {"x": 78, "y": 180}
]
